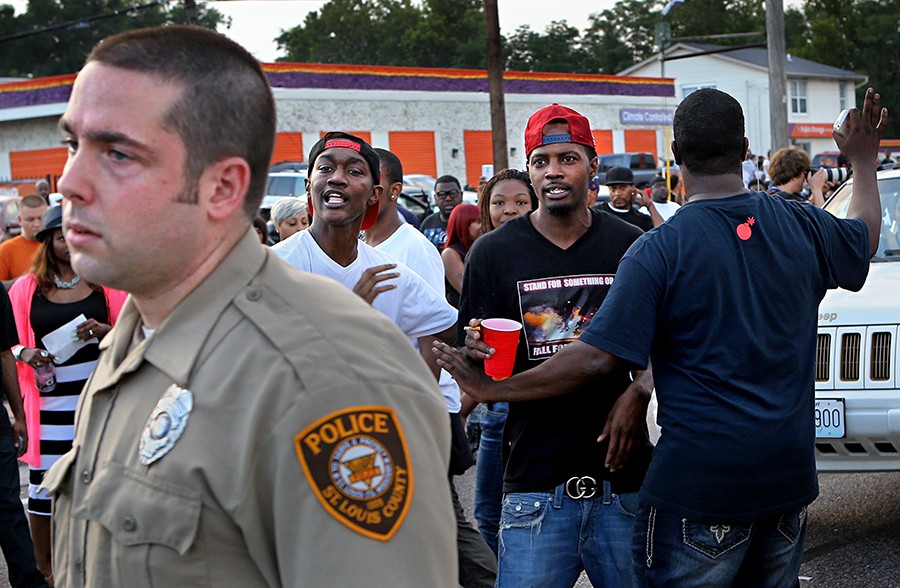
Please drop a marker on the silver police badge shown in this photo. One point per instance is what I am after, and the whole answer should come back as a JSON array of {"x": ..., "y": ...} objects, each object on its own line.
[{"x": 166, "y": 423}]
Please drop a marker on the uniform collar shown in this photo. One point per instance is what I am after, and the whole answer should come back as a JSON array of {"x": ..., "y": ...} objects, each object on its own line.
[{"x": 177, "y": 342}]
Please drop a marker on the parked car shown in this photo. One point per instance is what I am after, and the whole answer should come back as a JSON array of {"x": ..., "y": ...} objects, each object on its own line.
[
  {"x": 282, "y": 166},
  {"x": 602, "y": 195},
  {"x": 423, "y": 181},
  {"x": 827, "y": 158},
  {"x": 857, "y": 360},
  {"x": 288, "y": 182},
  {"x": 9, "y": 217},
  {"x": 415, "y": 204},
  {"x": 643, "y": 165}
]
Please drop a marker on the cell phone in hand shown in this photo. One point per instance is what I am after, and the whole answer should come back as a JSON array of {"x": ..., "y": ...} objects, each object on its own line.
[{"x": 840, "y": 124}]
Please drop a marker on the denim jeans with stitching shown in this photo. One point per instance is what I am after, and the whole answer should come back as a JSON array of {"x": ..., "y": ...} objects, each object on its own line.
[
  {"x": 547, "y": 539},
  {"x": 489, "y": 473},
  {"x": 670, "y": 550},
  {"x": 15, "y": 537}
]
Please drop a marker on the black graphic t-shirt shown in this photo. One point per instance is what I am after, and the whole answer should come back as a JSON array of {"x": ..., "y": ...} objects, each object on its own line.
[{"x": 515, "y": 273}]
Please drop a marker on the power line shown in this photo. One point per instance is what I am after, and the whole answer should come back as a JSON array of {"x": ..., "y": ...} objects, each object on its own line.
[{"x": 82, "y": 22}]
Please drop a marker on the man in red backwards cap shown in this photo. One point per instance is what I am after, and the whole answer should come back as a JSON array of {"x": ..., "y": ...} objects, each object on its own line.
[{"x": 567, "y": 506}]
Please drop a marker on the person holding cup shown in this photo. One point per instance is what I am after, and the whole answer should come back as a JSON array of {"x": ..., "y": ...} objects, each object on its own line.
[
  {"x": 44, "y": 300},
  {"x": 550, "y": 270},
  {"x": 725, "y": 499}
]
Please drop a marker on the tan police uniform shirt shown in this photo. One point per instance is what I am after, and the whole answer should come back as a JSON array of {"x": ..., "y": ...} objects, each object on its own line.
[{"x": 315, "y": 453}]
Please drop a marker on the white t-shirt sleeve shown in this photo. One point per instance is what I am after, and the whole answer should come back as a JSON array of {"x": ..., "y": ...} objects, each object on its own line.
[{"x": 424, "y": 311}]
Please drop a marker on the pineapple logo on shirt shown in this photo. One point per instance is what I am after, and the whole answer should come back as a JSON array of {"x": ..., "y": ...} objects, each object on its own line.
[{"x": 745, "y": 230}]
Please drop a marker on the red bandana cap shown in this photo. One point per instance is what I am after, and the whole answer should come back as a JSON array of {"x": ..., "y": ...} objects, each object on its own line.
[
  {"x": 348, "y": 141},
  {"x": 579, "y": 128}
]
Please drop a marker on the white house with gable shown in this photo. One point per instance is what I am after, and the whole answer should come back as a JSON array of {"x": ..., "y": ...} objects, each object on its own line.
[{"x": 816, "y": 92}]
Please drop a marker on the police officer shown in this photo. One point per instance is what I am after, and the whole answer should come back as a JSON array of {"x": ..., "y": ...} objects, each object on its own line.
[{"x": 247, "y": 425}]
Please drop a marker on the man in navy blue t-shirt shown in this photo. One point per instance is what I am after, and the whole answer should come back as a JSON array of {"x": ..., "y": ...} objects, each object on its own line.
[{"x": 723, "y": 299}]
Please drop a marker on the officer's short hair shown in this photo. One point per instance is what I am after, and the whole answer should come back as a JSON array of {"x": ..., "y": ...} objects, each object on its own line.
[{"x": 226, "y": 108}]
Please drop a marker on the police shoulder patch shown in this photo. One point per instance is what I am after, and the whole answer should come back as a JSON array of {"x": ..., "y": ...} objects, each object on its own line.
[{"x": 357, "y": 463}]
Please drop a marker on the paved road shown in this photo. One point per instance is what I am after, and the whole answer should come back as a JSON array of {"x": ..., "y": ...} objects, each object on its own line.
[{"x": 853, "y": 539}]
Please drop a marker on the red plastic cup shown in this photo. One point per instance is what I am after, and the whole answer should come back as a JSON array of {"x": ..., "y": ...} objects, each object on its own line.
[{"x": 503, "y": 336}]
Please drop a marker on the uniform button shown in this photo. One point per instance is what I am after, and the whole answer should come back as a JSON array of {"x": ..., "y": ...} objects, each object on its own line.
[
  {"x": 129, "y": 524},
  {"x": 85, "y": 477},
  {"x": 537, "y": 503},
  {"x": 518, "y": 507},
  {"x": 254, "y": 294}
]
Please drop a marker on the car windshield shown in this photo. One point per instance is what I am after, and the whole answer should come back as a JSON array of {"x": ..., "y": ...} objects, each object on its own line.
[
  {"x": 291, "y": 185},
  {"x": 889, "y": 188}
]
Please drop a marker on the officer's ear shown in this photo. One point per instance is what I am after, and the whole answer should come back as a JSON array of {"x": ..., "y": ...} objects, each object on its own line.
[{"x": 223, "y": 186}]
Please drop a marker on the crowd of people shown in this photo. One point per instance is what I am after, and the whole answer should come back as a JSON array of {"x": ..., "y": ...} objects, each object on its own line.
[{"x": 295, "y": 415}]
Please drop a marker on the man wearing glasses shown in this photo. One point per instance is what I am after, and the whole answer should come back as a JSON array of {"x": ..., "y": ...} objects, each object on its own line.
[{"x": 447, "y": 194}]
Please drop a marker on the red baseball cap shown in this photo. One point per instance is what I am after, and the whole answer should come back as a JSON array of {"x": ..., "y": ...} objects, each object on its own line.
[{"x": 579, "y": 128}]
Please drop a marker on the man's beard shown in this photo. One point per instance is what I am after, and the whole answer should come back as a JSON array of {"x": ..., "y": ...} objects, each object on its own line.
[{"x": 561, "y": 209}]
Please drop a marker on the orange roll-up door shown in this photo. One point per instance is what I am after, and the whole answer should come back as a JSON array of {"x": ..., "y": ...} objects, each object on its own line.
[
  {"x": 38, "y": 163},
  {"x": 415, "y": 150},
  {"x": 640, "y": 141},
  {"x": 604, "y": 141},
  {"x": 288, "y": 147},
  {"x": 479, "y": 147}
]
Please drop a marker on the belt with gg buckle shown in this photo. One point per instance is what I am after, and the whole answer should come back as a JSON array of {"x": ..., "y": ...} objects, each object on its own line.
[{"x": 581, "y": 487}]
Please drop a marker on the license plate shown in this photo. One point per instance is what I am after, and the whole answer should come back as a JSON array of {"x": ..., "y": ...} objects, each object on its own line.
[{"x": 829, "y": 419}]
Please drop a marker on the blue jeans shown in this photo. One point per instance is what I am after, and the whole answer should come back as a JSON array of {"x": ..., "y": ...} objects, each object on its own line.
[
  {"x": 670, "y": 550},
  {"x": 15, "y": 538},
  {"x": 489, "y": 473},
  {"x": 547, "y": 539}
]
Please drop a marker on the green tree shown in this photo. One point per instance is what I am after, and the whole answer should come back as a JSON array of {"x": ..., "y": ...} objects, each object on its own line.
[
  {"x": 558, "y": 49},
  {"x": 343, "y": 31},
  {"x": 857, "y": 35},
  {"x": 621, "y": 36},
  {"x": 449, "y": 34},
  {"x": 719, "y": 17},
  {"x": 64, "y": 50},
  {"x": 440, "y": 33}
]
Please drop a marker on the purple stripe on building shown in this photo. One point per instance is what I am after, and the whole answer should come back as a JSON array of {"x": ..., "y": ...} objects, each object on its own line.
[
  {"x": 36, "y": 97},
  {"x": 344, "y": 81}
]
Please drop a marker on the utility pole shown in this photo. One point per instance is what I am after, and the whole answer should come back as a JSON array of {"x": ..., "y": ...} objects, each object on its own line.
[
  {"x": 778, "y": 100},
  {"x": 495, "y": 81},
  {"x": 190, "y": 12}
]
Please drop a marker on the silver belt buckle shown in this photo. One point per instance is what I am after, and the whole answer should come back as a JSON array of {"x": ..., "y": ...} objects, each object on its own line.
[{"x": 581, "y": 487}]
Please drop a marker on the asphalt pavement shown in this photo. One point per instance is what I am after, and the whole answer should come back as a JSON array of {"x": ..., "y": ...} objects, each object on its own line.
[{"x": 853, "y": 538}]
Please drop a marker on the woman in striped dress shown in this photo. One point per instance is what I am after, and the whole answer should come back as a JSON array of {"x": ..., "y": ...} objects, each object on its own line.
[{"x": 43, "y": 301}]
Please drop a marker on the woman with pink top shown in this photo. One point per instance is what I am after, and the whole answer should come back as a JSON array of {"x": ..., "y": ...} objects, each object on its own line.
[{"x": 43, "y": 301}]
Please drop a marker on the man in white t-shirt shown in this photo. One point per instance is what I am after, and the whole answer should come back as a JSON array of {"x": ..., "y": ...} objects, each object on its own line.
[
  {"x": 659, "y": 192},
  {"x": 343, "y": 189},
  {"x": 403, "y": 242},
  {"x": 344, "y": 194},
  {"x": 391, "y": 234}
]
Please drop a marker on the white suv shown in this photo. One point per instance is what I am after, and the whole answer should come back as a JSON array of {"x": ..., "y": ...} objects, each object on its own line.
[{"x": 857, "y": 373}]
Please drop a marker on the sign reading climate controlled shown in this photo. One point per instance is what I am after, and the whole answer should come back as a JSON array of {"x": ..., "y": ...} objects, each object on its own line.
[{"x": 646, "y": 116}]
